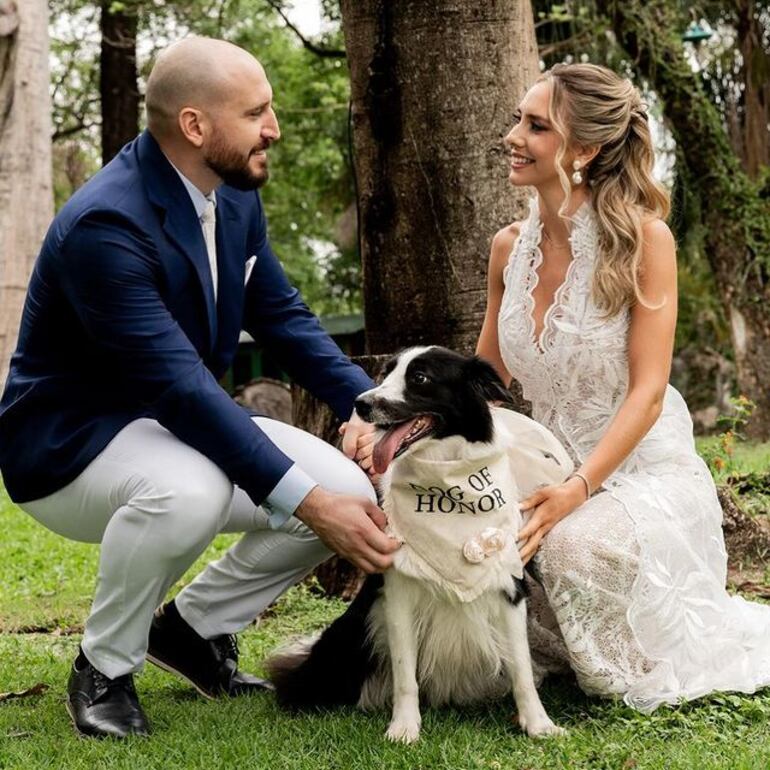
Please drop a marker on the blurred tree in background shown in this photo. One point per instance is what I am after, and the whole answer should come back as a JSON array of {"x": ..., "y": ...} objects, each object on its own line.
[{"x": 25, "y": 157}]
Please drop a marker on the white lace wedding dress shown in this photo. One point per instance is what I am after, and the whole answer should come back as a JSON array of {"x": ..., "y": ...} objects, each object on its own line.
[{"x": 633, "y": 581}]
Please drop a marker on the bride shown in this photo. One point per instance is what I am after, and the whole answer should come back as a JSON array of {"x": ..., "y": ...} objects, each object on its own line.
[{"x": 581, "y": 311}]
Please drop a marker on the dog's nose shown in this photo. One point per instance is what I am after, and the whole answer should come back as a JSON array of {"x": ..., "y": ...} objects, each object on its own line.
[{"x": 363, "y": 408}]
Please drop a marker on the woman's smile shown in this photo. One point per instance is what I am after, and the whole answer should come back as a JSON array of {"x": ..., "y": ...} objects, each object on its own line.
[{"x": 519, "y": 161}]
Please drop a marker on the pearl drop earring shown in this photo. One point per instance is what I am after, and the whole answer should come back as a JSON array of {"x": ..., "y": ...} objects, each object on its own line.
[{"x": 577, "y": 177}]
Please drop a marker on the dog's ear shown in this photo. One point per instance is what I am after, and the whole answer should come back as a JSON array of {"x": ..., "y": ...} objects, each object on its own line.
[
  {"x": 484, "y": 381},
  {"x": 387, "y": 365}
]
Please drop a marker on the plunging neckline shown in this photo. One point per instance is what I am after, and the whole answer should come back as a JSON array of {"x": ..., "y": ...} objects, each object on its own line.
[
  {"x": 533, "y": 279},
  {"x": 538, "y": 340}
]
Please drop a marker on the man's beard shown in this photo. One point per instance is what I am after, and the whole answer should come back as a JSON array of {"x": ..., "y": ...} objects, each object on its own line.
[{"x": 231, "y": 167}]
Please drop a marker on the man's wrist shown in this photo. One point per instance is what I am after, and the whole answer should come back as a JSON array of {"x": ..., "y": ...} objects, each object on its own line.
[{"x": 309, "y": 505}]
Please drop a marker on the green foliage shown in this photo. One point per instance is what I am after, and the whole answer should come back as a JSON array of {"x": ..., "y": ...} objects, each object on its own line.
[
  {"x": 74, "y": 41},
  {"x": 736, "y": 420},
  {"x": 719, "y": 453},
  {"x": 754, "y": 490},
  {"x": 311, "y": 183}
]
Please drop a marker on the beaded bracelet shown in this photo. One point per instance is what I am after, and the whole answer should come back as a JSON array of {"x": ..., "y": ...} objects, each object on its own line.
[{"x": 579, "y": 475}]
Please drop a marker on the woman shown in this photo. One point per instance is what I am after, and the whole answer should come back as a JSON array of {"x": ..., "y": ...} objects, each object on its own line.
[{"x": 581, "y": 311}]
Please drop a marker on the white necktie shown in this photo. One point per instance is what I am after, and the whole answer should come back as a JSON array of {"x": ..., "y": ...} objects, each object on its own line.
[{"x": 209, "y": 225}]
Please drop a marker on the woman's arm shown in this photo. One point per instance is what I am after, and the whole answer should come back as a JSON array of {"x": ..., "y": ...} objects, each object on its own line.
[
  {"x": 650, "y": 348},
  {"x": 488, "y": 346}
]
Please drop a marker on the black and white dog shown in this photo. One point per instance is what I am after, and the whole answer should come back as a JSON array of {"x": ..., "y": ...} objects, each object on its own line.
[{"x": 416, "y": 630}]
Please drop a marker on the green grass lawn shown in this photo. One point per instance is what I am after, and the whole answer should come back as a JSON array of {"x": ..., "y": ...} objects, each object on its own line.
[{"x": 46, "y": 584}]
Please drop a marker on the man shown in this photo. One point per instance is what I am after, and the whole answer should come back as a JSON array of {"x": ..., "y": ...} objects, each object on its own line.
[{"x": 113, "y": 428}]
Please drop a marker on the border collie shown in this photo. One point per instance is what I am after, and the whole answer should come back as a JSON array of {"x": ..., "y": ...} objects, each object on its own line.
[{"x": 448, "y": 621}]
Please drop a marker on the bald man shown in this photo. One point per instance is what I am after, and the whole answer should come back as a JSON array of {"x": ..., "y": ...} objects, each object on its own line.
[{"x": 113, "y": 427}]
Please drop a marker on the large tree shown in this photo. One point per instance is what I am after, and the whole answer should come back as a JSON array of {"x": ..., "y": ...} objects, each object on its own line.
[
  {"x": 26, "y": 200},
  {"x": 434, "y": 87}
]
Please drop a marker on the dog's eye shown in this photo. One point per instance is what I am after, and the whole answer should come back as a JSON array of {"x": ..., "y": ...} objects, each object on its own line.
[{"x": 419, "y": 378}]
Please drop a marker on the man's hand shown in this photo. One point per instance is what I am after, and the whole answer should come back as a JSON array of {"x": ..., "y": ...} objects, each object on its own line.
[
  {"x": 350, "y": 526},
  {"x": 358, "y": 443},
  {"x": 351, "y": 431}
]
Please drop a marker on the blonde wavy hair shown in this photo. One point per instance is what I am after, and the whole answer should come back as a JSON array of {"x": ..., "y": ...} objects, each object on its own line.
[{"x": 592, "y": 106}]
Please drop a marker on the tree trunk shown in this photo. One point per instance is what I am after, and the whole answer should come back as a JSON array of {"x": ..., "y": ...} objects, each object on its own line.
[
  {"x": 756, "y": 70},
  {"x": 746, "y": 541},
  {"x": 118, "y": 78},
  {"x": 26, "y": 197},
  {"x": 736, "y": 216},
  {"x": 433, "y": 87}
]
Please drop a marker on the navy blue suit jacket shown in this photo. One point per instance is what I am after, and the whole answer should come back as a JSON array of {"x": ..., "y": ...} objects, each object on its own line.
[{"x": 120, "y": 323}]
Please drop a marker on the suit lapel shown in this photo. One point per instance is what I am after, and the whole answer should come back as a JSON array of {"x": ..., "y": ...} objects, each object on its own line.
[
  {"x": 231, "y": 248},
  {"x": 180, "y": 223}
]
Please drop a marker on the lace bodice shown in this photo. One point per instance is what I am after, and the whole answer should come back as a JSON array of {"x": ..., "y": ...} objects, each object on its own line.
[{"x": 576, "y": 373}]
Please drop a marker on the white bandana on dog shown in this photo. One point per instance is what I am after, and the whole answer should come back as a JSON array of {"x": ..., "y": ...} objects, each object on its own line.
[{"x": 458, "y": 518}]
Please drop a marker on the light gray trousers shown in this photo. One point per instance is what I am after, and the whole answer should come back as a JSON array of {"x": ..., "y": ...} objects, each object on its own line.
[{"x": 155, "y": 503}]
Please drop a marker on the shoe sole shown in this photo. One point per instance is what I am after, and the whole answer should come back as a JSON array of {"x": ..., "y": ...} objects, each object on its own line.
[{"x": 171, "y": 670}]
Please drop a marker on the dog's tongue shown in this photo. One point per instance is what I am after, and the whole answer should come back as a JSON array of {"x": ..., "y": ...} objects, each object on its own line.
[{"x": 387, "y": 446}]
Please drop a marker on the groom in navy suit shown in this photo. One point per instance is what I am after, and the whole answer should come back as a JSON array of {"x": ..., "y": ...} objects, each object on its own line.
[{"x": 113, "y": 427}]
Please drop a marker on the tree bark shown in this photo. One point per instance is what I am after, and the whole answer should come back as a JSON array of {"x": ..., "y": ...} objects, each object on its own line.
[
  {"x": 118, "y": 78},
  {"x": 735, "y": 213},
  {"x": 746, "y": 541},
  {"x": 26, "y": 197},
  {"x": 433, "y": 87},
  {"x": 756, "y": 93}
]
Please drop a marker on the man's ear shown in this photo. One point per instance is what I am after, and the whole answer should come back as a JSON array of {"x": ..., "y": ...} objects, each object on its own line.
[
  {"x": 484, "y": 381},
  {"x": 190, "y": 122}
]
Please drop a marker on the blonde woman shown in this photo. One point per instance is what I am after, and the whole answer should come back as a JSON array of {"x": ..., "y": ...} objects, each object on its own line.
[{"x": 581, "y": 310}]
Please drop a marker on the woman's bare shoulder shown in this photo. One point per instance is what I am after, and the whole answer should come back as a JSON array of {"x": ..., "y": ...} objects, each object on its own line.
[
  {"x": 658, "y": 239},
  {"x": 654, "y": 226},
  {"x": 658, "y": 272},
  {"x": 506, "y": 237},
  {"x": 502, "y": 245}
]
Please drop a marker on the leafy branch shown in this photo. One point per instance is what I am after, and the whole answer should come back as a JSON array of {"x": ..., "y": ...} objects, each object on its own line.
[{"x": 326, "y": 53}]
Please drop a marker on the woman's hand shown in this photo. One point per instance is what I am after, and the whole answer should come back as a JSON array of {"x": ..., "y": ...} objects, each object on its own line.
[{"x": 551, "y": 504}]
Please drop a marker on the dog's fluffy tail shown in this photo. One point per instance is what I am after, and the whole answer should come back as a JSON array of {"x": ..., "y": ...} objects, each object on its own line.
[{"x": 329, "y": 670}]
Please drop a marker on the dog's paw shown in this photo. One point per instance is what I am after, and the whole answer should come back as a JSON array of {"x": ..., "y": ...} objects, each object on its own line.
[
  {"x": 403, "y": 731},
  {"x": 541, "y": 727}
]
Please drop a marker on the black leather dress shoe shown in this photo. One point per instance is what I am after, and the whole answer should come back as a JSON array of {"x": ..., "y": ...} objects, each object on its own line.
[
  {"x": 209, "y": 665},
  {"x": 101, "y": 707}
]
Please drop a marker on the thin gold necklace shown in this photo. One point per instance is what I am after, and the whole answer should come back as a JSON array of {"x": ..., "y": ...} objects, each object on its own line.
[{"x": 554, "y": 245}]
